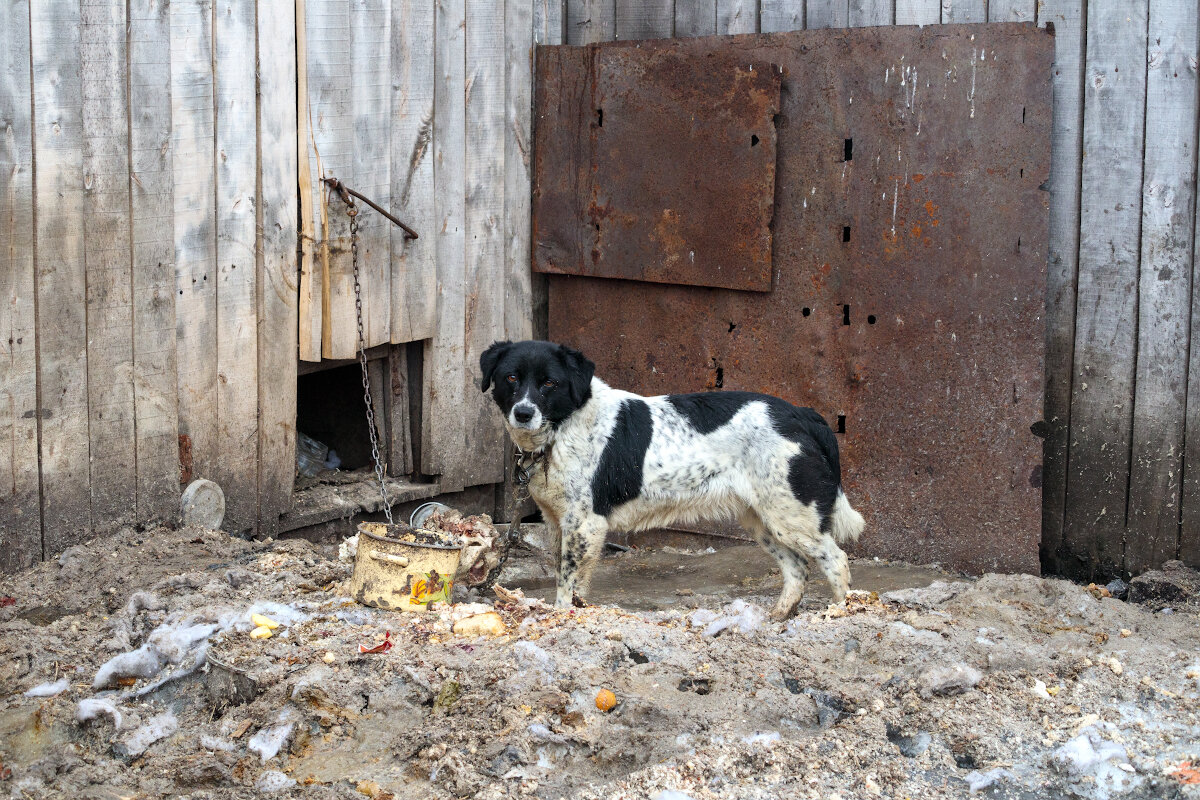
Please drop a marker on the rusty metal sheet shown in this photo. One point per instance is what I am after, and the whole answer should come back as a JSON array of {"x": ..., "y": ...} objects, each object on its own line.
[
  {"x": 631, "y": 182},
  {"x": 910, "y": 254}
]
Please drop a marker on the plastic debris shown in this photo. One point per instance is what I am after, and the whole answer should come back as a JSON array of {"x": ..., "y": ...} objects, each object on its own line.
[
  {"x": 945, "y": 681},
  {"x": 745, "y": 617},
  {"x": 977, "y": 781},
  {"x": 382, "y": 647},
  {"x": 348, "y": 549},
  {"x": 310, "y": 455},
  {"x": 270, "y": 740},
  {"x": 49, "y": 689}
]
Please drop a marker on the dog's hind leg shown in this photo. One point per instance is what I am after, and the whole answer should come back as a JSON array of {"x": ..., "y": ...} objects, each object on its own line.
[
  {"x": 583, "y": 537},
  {"x": 792, "y": 565},
  {"x": 825, "y": 553}
]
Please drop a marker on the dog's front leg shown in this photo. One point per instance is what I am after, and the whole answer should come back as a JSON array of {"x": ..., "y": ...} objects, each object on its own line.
[{"x": 583, "y": 538}]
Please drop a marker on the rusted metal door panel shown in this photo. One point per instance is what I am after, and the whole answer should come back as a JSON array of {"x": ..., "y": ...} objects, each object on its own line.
[
  {"x": 655, "y": 166},
  {"x": 910, "y": 248}
]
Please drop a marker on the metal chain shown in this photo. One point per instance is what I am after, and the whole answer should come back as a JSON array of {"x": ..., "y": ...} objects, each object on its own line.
[{"x": 352, "y": 211}]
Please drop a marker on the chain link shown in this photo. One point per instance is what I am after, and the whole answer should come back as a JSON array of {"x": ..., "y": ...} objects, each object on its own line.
[{"x": 352, "y": 212}]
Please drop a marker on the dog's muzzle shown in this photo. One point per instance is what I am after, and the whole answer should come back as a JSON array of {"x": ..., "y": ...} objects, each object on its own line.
[{"x": 525, "y": 415}]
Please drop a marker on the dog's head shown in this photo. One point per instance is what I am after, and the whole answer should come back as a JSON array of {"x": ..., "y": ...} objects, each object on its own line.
[{"x": 537, "y": 385}]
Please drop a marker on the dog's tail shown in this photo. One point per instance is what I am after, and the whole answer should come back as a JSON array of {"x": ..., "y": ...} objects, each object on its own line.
[{"x": 848, "y": 524}]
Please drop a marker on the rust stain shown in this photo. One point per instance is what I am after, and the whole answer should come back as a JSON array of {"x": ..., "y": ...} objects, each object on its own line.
[{"x": 185, "y": 459}]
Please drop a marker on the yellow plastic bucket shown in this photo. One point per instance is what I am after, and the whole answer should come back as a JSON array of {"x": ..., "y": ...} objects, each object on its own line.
[{"x": 399, "y": 568}]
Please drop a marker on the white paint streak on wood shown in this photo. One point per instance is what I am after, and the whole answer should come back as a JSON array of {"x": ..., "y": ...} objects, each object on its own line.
[
  {"x": 591, "y": 21},
  {"x": 414, "y": 267},
  {"x": 194, "y": 181},
  {"x": 62, "y": 303},
  {"x": 236, "y": 268},
  {"x": 370, "y": 85},
  {"x": 276, "y": 260},
  {"x": 20, "y": 511},
  {"x": 1105, "y": 345},
  {"x": 107, "y": 257},
  {"x": 1164, "y": 294}
]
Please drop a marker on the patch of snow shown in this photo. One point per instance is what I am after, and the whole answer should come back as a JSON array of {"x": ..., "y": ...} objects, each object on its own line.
[
  {"x": 49, "y": 689},
  {"x": 94, "y": 707},
  {"x": 273, "y": 781}
]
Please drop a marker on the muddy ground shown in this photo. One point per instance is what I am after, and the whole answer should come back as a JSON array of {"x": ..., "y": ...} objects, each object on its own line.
[{"x": 1006, "y": 686}]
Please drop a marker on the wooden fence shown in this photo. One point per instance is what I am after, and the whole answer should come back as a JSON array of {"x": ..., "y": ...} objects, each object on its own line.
[{"x": 151, "y": 291}]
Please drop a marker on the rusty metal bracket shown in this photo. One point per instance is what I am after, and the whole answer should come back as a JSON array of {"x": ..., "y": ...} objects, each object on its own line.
[{"x": 345, "y": 192}]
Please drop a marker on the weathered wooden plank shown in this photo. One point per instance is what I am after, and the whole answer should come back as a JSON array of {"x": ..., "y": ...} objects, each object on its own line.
[
  {"x": 155, "y": 385},
  {"x": 484, "y": 276},
  {"x": 55, "y": 32},
  {"x": 591, "y": 21},
  {"x": 107, "y": 258},
  {"x": 871, "y": 12},
  {"x": 236, "y": 468},
  {"x": 695, "y": 18},
  {"x": 1066, "y": 155},
  {"x": 737, "y": 16},
  {"x": 414, "y": 268},
  {"x": 827, "y": 14},
  {"x": 400, "y": 458},
  {"x": 1164, "y": 294},
  {"x": 311, "y": 277},
  {"x": 370, "y": 80},
  {"x": 644, "y": 19},
  {"x": 20, "y": 506},
  {"x": 918, "y": 12},
  {"x": 443, "y": 442},
  {"x": 276, "y": 260},
  {"x": 1102, "y": 392},
  {"x": 194, "y": 180},
  {"x": 518, "y": 110},
  {"x": 330, "y": 149},
  {"x": 549, "y": 21},
  {"x": 1189, "y": 529},
  {"x": 780, "y": 15},
  {"x": 1011, "y": 10},
  {"x": 956, "y": 11}
]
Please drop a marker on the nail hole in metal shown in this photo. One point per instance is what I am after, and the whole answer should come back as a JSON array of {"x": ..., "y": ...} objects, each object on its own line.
[
  {"x": 848, "y": 150},
  {"x": 845, "y": 233},
  {"x": 870, "y": 319},
  {"x": 845, "y": 315},
  {"x": 841, "y": 423}
]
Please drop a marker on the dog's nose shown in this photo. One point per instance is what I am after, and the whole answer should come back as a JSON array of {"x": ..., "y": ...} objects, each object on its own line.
[{"x": 522, "y": 414}]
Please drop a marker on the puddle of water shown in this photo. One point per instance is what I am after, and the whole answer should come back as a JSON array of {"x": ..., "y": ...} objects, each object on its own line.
[{"x": 649, "y": 580}]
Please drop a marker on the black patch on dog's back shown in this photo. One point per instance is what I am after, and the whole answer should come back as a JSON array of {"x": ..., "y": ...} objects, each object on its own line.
[
  {"x": 815, "y": 475},
  {"x": 707, "y": 411},
  {"x": 618, "y": 478}
]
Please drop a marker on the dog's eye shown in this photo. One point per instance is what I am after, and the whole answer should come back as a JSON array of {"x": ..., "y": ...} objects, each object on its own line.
[
  {"x": 510, "y": 378},
  {"x": 549, "y": 384}
]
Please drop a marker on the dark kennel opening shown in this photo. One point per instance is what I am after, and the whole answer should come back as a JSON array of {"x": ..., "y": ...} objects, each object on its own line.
[{"x": 330, "y": 409}]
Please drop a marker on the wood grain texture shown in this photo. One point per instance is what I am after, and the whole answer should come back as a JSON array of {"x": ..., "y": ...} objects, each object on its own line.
[
  {"x": 695, "y": 18},
  {"x": 957, "y": 11},
  {"x": 55, "y": 33},
  {"x": 107, "y": 257},
  {"x": 1189, "y": 529},
  {"x": 1066, "y": 154},
  {"x": 20, "y": 504},
  {"x": 827, "y": 14},
  {"x": 153, "y": 252},
  {"x": 484, "y": 280},
  {"x": 443, "y": 448},
  {"x": 311, "y": 277},
  {"x": 737, "y": 16},
  {"x": 414, "y": 266},
  {"x": 1011, "y": 10},
  {"x": 400, "y": 456},
  {"x": 330, "y": 113},
  {"x": 370, "y": 82},
  {"x": 518, "y": 110},
  {"x": 644, "y": 19},
  {"x": 1164, "y": 293},
  {"x": 194, "y": 197},
  {"x": 591, "y": 21},
  {"x": 276, "y": 261},
  {"x": 918, "y": 12},
  {"x": 780, "y": 15},
  {"x": 1105, "y": 326},
  {"x": 871, "y": 12},
  {"x": 237, "y": 295}
]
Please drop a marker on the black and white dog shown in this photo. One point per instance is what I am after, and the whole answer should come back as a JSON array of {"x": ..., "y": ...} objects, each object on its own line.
[{"x": 613, "y": 460}]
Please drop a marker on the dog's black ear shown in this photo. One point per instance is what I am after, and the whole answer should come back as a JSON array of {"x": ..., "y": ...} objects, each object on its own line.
[
  {"x": 489, "y": 360},
  {"x": 579, "y": 374}
]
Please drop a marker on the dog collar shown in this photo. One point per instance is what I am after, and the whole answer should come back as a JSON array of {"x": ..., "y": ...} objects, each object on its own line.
[{"x": 524, "y": 464}]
